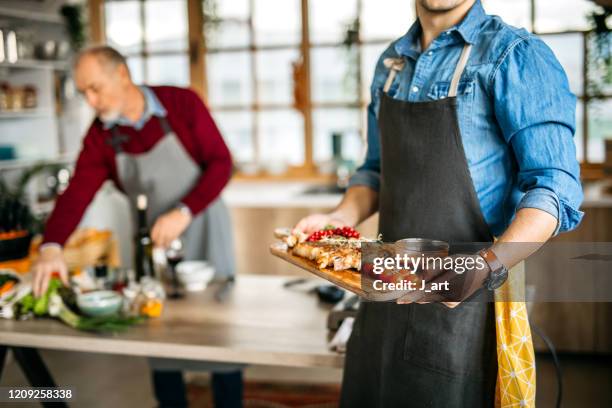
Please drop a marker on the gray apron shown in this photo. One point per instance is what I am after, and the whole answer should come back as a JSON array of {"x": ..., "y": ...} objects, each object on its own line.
[
  {"x": 424, "y": 355},
  {"x": 166, "y": 174}
]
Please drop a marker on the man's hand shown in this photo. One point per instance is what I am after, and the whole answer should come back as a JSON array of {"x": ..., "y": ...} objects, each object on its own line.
[
  {"x": 463, "y": 281},
  {"x": 169, "y": 227},
  {"x": 50, "y": 261}
]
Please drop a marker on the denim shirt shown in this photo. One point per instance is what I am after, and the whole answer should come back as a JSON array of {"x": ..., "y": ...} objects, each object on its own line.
[
  {"x": 515, "y": 111},
  {"x": 153, "y": 107}
]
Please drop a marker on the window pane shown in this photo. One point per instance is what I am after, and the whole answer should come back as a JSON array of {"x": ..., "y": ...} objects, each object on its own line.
[
  {"x": 166, "y": 25},
  {"x": 369, "y": 57},
  {"x": 600, "y": 128},
  {"x": 168, "y": 70},
  {"x": 329, "y": 20},
  {"x": 515, "y": 12},
  {"x": 345, "y": 122},
  {"x": 228, "y": 26},
  {"x": 562, "y": 15},
  {"x": 275, "y": 76},
  {"x": 277, "y": 22},
  {"x": 334, "y": 72},
  {"x": 229, "y": 78},
  {"x": 237, "y": 130},
  {"x": 281, "y": 139},
  {"x": 123, "y": 26},
  {"x": 228, "y": 34},
  {"x": 568, "y": 49},
  {"x": 386, "y": 19},
  {"x": 136, "y": 66},
  {"x": 231, "y": 9}
]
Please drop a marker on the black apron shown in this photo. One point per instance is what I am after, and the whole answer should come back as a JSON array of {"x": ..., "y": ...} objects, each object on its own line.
[{"x": 424, "y": 355}]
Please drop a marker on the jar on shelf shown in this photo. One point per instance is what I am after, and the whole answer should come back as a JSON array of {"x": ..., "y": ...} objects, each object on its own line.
[
  {"x": 17, "y": 98},
  {"x": 30, "y": 99},
  {"x": 5, "y": 96}
]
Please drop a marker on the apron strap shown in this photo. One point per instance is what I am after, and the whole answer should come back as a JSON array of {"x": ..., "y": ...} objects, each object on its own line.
[
  {"x": 395, "y": 65},
  {"x": 165, "y": 125},
  {"x": 463, "y": 58},
  {"x": 117, "y": 139}
]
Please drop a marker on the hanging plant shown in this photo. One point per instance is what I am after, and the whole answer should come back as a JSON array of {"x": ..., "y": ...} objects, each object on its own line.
[
  {"x": 353, "y": 69},
  {"x": 210, "y": 19},
  {"x": 600, "y": 53},
  {"x": 75, "y": 27}
]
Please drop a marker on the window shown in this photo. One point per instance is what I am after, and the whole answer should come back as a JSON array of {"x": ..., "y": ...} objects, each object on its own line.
[
  {"x": 249, "y": 57},
  {"x": 156, "y": 53},
  {"x": 252, "y": 59}
]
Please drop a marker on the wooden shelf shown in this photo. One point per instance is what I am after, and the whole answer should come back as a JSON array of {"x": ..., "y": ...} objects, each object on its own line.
[
  {"x": 36, "y": 64},
  {"x": 26, "y": 114},
  {"x": 31, "y": 15}
]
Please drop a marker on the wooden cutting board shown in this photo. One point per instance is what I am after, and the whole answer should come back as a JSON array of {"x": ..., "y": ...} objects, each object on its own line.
[{"x": 348, "y": 280}]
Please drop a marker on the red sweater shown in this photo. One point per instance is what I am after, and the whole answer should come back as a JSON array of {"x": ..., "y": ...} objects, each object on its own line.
[{"x": 196, "y": 130}]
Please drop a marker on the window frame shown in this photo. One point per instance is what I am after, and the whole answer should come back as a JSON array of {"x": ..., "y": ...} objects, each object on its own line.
[{"x": 197, "y": 52}]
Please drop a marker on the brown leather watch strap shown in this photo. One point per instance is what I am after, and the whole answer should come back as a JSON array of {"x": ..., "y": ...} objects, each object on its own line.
[{"x": 491, "y": 259}]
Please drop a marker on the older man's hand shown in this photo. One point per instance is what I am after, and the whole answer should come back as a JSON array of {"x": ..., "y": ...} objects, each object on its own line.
[
  {"x": 50, "y": 261},
  {"x": 169, "y": 227}
]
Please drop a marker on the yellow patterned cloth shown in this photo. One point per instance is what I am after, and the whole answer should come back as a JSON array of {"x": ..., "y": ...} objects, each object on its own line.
[{"x": 516, "y": 371}]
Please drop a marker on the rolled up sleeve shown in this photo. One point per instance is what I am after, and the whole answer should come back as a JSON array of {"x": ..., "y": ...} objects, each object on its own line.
[{"x": 536, "y": 113}]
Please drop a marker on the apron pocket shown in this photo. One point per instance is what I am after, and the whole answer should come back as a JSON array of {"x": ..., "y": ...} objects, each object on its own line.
[{"x": 453, "y": 342}]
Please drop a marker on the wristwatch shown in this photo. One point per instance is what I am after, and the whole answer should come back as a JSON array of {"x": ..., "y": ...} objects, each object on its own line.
[
  {"x": 184, "y": 209},
  {"x": 498, "y": 274}
]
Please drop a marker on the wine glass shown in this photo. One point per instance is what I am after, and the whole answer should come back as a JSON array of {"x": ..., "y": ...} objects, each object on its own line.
[{"x": 175, "y": 254}]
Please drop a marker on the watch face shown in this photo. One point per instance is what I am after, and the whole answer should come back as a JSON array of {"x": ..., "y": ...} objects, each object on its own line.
[{"x": 497, "y": 278}]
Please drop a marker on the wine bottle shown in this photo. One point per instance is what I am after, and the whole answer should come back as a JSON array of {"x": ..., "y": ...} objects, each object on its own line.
[{"x": 143, "y": 245}]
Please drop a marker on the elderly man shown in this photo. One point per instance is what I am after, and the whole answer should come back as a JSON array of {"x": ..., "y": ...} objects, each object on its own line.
[{"x": 161, "y": 142}]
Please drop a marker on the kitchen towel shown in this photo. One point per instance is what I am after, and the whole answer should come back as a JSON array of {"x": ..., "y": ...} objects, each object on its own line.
[{"x": 516, "y": 372}]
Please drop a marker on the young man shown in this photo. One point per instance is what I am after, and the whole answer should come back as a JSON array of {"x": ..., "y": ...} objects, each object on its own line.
[{"x": 469, "y": 137}]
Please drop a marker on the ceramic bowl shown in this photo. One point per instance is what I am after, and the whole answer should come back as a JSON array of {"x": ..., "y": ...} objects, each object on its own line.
[
  {"x": 100, "y": 303},
  {"x": 195, "y": 275}
]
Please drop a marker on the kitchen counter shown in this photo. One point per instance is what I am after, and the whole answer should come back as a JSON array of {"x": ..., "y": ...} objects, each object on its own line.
[
  {"x": 266, "y": 194},
  {"x": 260, "y": 322}
]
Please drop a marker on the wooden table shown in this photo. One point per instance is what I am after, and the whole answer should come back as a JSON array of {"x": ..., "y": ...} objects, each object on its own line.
[{"x": 260, "y": 322}]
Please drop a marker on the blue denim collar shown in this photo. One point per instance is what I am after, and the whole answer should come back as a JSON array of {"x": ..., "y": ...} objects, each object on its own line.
[
  {"x": 153, "y": 107},
  {"x": 410, "y": 46}
]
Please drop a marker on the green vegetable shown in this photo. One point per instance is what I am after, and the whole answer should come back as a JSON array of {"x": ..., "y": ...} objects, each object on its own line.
[
  {"x": 100, "y": 324},
  {"x": 26, "y": 304},
  {"x": 59, "y": 301},
  {"x": 41, "y": 305}
]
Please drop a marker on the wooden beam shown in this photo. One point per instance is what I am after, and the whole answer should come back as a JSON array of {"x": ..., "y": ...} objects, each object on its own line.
[
  {"x": 307, "y": 111},
  {"x": 197, "y": 47},
  {"x": 97, "y": 33}
]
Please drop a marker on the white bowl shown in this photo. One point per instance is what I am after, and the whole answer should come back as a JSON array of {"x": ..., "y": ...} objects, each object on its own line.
[
  {"x": 194, "y": 275},
  {"x": 100, "y": 302}
]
